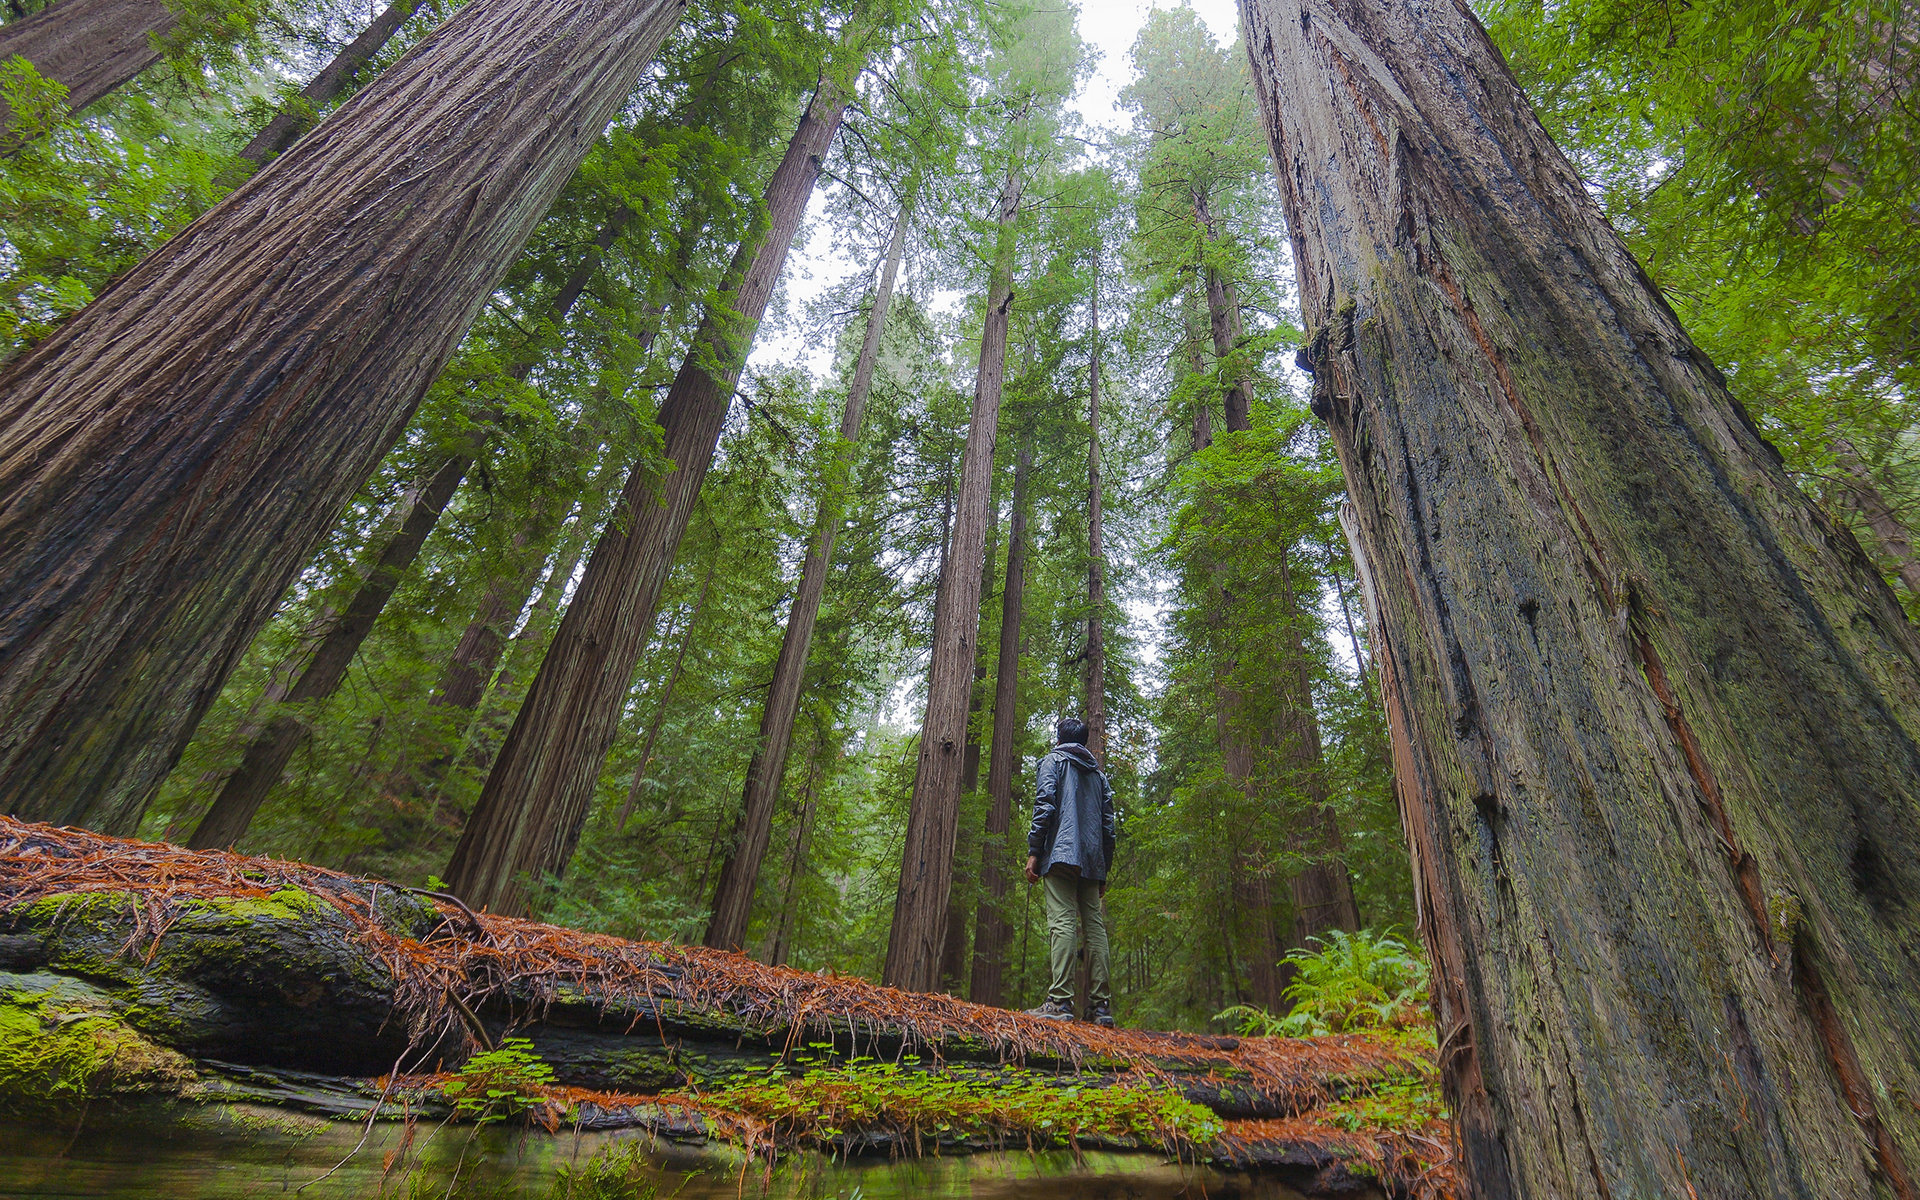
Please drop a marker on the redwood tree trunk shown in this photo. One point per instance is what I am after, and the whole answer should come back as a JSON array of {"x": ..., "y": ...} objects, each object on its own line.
[
  {"x": 1096, "y": 550},
  {"x": 535, "y": 800},
  {"x": 996, "y": 851},
  {"x": 1654, "y": 714},
  {"x": 1886, "y": 525},
  {"x": 733, "y": 895},
  {"x": 172, "y": 454},
  {"x": 274, "y": 746},
  {"x": 295, "y": 119},
  {"x": 1322, "y": 891},
  {"x": 90, "y": 47},
  {"x": 918, "y": 932}
]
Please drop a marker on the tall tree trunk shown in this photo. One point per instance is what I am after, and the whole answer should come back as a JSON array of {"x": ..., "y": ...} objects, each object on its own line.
[
  {"x": 535, "y": 800},
  {"x": 296, "y": 118},
  {"x": 996, "y": 851},
  {"x": 666, "y": 697},
  {"x": 733, "y": 895},
  {"x": 1322, "y": 891},
  {"x": 89, "y": 47},
  {"x": 171, "y": 455},
  {"x": 270, "y": 751},
  {"x": 1223, "y": 318},
  {"x": 918, "y": 932},
  {"x": 267, "y": 756},
  {"x": 1096, "y": 549},
  {"x": 1654, "y": 715},
  {"x": 796, "y": 862},
  {"x": 1888, "y": 529}
]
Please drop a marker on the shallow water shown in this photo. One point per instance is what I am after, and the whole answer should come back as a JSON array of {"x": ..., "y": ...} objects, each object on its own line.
[{"x": 226, "y": 1151}]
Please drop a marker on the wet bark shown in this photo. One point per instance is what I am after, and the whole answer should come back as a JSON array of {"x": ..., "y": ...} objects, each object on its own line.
[
  {"x": 270, "y": 751},
  {"x": 535, "y": 800},
  {"x": 1653, "y": 714},
  {"x": 90, "y": 47},
  {"x": 733, "y": 895},
  {"x": 172, "y": 454},
  {"x": 295, "y": 119},
  {"x": 997, "y": 852},
  {"x": 918, "y": 931},
  {"x": 1096, "y": 549}
]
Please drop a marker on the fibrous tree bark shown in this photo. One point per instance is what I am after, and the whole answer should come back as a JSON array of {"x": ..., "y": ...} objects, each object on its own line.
[
  {"x": 296, "y": 118},
  {"x": 171, "y": 455},
  {"x": 1654, "y": 715},
  {"x": 1223, "y": 318},
  {"x": 89, "y": 47},
  {"x": 530, "y": 813},
  {"x": 918, "y": 932},
  {"x": 991, "y": 928},
  {"x": 273, "y": 747},
  {"x": 1096, "y": 547},
  {"x": 733, "y": 894}
]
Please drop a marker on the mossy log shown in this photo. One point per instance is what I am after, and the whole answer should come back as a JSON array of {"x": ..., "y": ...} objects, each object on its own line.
[{"x": 131, "y": 970}]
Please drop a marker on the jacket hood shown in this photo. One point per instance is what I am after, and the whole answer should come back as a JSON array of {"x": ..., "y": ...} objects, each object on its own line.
[{"x": 1078, "y": 753}]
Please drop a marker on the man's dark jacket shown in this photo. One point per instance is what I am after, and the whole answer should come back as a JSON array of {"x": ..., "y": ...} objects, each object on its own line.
[{"x": 1072, "y": 814}]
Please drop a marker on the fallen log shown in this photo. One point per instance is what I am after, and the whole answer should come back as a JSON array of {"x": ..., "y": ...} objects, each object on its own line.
[{"x": 138, "y": 970}]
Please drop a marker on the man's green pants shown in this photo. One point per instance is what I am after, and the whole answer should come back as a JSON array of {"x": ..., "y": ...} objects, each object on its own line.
[{"x": 1074, "y": 906}]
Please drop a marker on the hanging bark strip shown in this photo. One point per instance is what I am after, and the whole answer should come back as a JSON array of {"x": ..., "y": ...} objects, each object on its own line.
[
  {"x": 529, "y": 815},
  {"x": 1653, "y": 714},
  {"x": 172, "y": 454},
  {"x": 733, "y": 895},
  {"x": 89, "y": 47},
  {"x": 918, "y": 933},
  {"x": 267, "y": 756},
  {"x": 297, "y": 117},
  {"x": 997, "y": 854},
  {"x": 1096, "y": 546}
]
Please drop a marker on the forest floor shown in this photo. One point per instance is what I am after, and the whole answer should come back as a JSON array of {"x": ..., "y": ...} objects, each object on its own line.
[{"x": 133, "y": 970}]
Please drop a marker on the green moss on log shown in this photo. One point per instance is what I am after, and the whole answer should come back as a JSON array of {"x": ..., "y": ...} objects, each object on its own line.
[{"x": 64, "y": 1044}]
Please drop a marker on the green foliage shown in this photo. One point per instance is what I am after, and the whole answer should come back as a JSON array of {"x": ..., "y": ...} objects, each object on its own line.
[
  {"x": 1407, "y": 1107},
  {"x": 500, "y": 1083},
  {"x": 1356, "y": 982},
  {"x": 831, "y": 1104}
]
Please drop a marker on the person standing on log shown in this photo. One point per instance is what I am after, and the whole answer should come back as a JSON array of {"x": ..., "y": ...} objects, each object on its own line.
[{"x": 1070, "y": 846}]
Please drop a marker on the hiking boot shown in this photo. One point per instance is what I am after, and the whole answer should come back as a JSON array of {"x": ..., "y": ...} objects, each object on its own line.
[
  {"x": 1053, "y": 1010},
  {"x": 1102, "y": 1015}
]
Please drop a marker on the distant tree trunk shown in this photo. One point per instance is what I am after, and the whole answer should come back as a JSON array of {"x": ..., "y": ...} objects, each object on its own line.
[
  {"x": 1322, "y": 891},
  {"x": 997, "y": 854},
  {"x": 1201, "y": 430},
  {"x": 170, "y": 456},
  {"x": 530, "y": 813},
  {"x": 782, "y": 943},
  {"x": 666, "y": 697},
  {"x": 1888, "y": 529},
  {"x": 1096, "y": 549},
  {"x": 918, "y": 932},
  {"x": 733, "y": 895},
  {"x": 266, "y": 758},
  {"x": 1223, "y": 317},
  {"x": 1655, "y": 717},
  {"x": 269, "y": 752},
  {"x": 89, "y": 47},
  {"x": 295, "y": 119}
]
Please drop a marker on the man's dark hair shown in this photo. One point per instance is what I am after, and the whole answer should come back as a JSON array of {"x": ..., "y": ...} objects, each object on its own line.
[{"x": 1071, "y": 729}]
